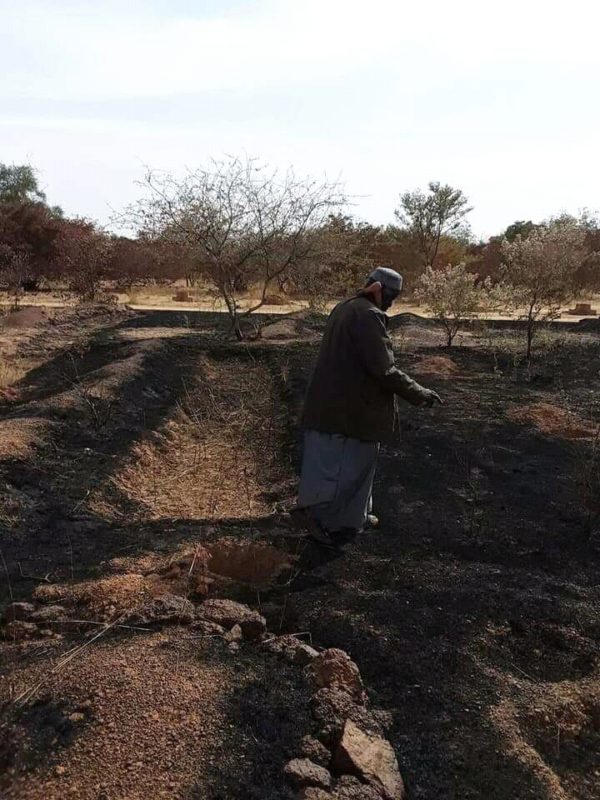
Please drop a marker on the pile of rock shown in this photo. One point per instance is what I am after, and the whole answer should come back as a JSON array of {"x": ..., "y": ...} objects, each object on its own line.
[
  {"x": 22, "y": 620},
  {"x": 231, "y": 620},
  {"x": 348, "y": 757}
]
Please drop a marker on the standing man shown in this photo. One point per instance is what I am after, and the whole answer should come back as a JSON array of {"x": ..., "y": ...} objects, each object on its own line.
[{"x": 350, "y": 409}]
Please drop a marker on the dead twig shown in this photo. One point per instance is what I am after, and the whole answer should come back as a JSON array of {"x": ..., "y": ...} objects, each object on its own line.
[
  {"x": 6, "y": 572},
  {"x": 44, "y": 579},
  {"x": 27, "y": 694},
  {"x": 522, "y": 671},
  {"x": 96, "y": 622}
]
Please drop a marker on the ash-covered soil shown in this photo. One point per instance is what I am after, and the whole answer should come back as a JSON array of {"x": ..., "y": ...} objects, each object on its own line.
[{"x": 472, "y": 611}]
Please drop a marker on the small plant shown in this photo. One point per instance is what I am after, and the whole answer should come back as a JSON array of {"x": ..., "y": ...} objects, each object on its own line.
[
  {"x": 99, "y": 406},
  {"x": 453, "y": 296}
]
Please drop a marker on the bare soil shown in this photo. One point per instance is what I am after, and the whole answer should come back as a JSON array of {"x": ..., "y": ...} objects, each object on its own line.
[{"x": 136, "y": 439}]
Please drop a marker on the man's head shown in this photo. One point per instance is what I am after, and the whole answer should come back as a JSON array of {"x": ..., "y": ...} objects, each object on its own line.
[{"x": 391, "y": 284}]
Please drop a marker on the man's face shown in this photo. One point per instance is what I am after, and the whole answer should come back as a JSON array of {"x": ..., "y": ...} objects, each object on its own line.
[{"x": 388, "y": 296}]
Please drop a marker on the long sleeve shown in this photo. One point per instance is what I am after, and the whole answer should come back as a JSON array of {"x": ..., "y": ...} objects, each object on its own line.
[{"x": 376, "y": 354}]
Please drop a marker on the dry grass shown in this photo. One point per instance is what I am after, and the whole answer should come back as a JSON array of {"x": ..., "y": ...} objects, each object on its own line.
[
  {"x": 213, "y": 458},
  {"x": 11, "y": 372},
  {"x": 20, "y": 437}
]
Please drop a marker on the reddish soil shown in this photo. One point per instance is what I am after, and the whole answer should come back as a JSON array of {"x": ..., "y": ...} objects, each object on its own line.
[
  {"x": 554, "y": 421},
  {"x": 142, "y": 442},
  {"x": 441, "y": 366}
]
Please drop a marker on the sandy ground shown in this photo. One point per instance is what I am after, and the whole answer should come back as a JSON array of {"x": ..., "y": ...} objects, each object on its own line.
[{"x": 161, "y": 300}]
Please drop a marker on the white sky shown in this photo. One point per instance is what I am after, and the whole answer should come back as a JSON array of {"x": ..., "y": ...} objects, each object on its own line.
[{"x": 501, "y": 99}]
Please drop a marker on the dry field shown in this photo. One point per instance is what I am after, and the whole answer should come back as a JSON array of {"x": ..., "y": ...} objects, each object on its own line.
[{"x": 133, "y": 441}]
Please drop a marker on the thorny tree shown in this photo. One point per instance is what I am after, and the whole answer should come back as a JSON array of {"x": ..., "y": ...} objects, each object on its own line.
[
  {"x": 245, "y": 224},
  {"x": 430, "y": 216},
  {"x": 542, "y": 271},
  {"x": 453, "y": 296}
]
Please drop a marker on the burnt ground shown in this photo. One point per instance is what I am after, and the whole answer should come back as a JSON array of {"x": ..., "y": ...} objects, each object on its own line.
[{"x": 472, "y": 611}]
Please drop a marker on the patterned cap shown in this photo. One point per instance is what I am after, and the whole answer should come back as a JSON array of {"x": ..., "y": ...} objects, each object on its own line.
[{"x": 387, "y": 277}]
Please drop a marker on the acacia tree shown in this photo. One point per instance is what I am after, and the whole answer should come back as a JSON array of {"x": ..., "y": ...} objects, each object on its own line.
[
  {"x": 19, "y": 184},
  {"x": 244, "y": 223},
  {"x": 453, "y": 296},
  {"x": 541, "y": 273},
  {"x": 430, "y": 216}
]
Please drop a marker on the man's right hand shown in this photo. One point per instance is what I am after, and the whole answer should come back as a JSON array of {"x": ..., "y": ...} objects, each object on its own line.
[{"x": 430, "y": 398}]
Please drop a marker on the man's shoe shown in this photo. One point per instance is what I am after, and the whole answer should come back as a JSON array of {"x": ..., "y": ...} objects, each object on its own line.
[
  {"x": 372, "y": 521},
  {"x": 303, "y": 521}
]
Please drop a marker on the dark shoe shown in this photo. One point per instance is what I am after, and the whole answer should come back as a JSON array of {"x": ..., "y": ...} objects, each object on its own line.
[
  {"x": 302, "y": 520},
  {"x": 344, "y": 536}
]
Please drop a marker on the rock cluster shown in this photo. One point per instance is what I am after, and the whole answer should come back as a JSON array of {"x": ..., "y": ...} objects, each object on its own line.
[
  {"x": 348, "y": 758},
  {"x": 228, "y": 613},
  {"x": 21, "y": 620}
]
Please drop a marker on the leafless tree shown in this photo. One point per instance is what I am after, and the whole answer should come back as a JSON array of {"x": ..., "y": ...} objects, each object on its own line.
[{"x": 245, "y": 223}]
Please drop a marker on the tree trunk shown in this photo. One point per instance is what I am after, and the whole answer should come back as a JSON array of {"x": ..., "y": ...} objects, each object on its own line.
[
  {"x": 530, "y": 330},
  {"x": 234, "y": 316}
]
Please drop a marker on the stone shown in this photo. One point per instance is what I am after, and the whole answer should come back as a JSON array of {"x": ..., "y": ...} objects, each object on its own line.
[
  {"x": 315, "y": 750},
  {"x": 208, "y": 628},
  {"x": 279, "y": 644},
  {"x": 301, "y": 772},
  {"x": 19, "y": 629},
  {"x": 48, "y": 614},
  {"x": 350, "y": 788},
  {"x": 169, "y": 608},
  {"x": 311, "y": 793},
  {"x": 335, "y": 669},
  {"x": 332, "y": 707},
  {"x": 292, "y": 649},
  {"x": 49, "y": 593},
  {"x": 370, "y": 757},
  {"x": 229, "y": 613},
  {"x": 302, "y": 655},
  {"x": 17, "y": 611},
  {"x": 234, "y": 635},
  {"x": 329, "y": 735}
]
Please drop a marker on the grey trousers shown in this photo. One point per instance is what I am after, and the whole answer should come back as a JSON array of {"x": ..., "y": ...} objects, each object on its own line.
[{"x": 336, "y": 483}]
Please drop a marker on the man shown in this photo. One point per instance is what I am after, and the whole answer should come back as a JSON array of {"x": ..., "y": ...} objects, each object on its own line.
[{"x": 349, "y": 409}]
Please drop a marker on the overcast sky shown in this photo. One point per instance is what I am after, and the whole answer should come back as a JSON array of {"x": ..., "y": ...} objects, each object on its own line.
[{"x": 498, "y": 98}]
